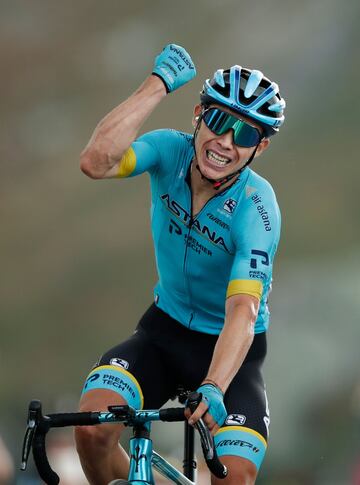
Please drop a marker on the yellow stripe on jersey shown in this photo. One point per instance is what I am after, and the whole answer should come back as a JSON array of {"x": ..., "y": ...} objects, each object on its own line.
[
  {"x": 248, "y": 287},
  {"x": 245, "y": 430},
  {"x": 127, "y": 164}
]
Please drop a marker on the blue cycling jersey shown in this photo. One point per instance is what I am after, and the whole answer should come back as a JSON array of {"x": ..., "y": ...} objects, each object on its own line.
[{"x": 226, "y": 249}]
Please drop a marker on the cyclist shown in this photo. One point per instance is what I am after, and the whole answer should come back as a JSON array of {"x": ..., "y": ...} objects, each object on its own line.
[{"x": 215, "y": 225}]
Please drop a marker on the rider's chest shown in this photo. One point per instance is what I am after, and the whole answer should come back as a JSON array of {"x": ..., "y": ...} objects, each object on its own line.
[{"x": 198, "y": 203}]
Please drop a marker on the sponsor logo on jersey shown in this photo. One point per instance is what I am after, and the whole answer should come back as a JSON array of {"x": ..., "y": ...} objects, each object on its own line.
[
  {"x": 218, "y": 221},
  {"x": 190, "y": 241},
  {"x": 194, "y": 244},
  {"x": 174, "y": 227},
  {"x": 262, "y": 211},
  {"x": 260, "y": 275},
  {"x": 229, "y": 205},
  {"x": 176, "y": 208},
  {"x": 120, "y": 362},
  {"x": 235, "y": 419},
  {"x": 185, "y": 217},
  {"x": 258, "y": 256}
]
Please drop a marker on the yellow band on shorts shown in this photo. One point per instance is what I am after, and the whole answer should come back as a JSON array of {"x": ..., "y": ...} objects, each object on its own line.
[
  {"x": 117, "y": 379},
  {"x": 241, "y": 441},
  {"x": 245, "y": 430}
]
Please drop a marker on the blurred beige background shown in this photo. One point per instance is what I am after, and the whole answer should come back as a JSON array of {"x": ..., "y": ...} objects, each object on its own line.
[{"x": 77, "y": 266}]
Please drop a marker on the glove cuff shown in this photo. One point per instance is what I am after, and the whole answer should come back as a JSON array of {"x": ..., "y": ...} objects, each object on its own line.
[
  {"x": 162, "y": 79},
  {"x": 210, "y": 382}
]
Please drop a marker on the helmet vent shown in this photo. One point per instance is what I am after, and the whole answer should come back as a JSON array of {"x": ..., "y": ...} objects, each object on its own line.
[{"x": 253, "y": 83}]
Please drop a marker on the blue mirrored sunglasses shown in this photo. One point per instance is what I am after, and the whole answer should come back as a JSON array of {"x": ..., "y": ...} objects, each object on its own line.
[{"x": 220, "y": 122}]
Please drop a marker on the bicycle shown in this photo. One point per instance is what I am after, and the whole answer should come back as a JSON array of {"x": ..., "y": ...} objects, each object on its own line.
[{"x": 142, "y": 455}]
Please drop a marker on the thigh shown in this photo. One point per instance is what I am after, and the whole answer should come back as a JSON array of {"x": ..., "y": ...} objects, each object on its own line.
[
  {"x": 135, "y": 370},
  {"x": 245, "y": 431}
]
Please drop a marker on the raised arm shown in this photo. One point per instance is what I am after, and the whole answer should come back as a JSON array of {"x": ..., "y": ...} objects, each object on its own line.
[
  {"x": 115, "y": 133},
  {"x": 102, "y": 156}
]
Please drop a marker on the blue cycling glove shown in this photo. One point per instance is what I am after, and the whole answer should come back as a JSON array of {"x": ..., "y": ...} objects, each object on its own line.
[
  {"x": 214, "y": 398},
  {"x": 174, "y": 66}
]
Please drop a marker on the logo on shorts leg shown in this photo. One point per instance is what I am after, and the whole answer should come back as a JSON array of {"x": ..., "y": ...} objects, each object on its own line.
[
  {"x": 235, "y": 419},
  {"x": 92, "y": 378},
  {"x": 120, "y": 362}
]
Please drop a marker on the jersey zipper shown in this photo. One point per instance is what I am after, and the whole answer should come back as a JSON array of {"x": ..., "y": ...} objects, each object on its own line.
[
  {"x": 186, "y": 279},
  {"x": 191, "y": 223}
]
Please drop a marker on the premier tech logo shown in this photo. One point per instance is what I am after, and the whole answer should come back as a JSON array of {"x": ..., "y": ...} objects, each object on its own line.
[{"x": 176, "y": 209}]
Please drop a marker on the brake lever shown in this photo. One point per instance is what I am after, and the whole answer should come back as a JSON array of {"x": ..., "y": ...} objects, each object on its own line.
[
  {"x": 193, "y": 401},
  {"x": 206, "y": 439},
  {"x": 34, "y": 416}
]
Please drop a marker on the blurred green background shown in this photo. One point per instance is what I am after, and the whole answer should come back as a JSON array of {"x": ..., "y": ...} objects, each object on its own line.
[{"x": 77, "y": 262}]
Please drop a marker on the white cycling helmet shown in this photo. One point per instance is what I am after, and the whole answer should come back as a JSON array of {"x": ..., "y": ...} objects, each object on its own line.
[{"x": 247, "y": 92}]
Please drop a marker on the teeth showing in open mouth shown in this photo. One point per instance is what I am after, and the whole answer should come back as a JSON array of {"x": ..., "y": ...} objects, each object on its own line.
[{"x": 214, "y": 157}]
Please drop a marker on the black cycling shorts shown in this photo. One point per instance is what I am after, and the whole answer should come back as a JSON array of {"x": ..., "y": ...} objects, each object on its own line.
[{"x": 162, "y": 355}]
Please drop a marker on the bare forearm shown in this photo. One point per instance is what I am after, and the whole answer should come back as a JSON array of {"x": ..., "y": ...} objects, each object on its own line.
[
  {"x": 232, "y": 345},
  {"x": 118, "y": 129}
]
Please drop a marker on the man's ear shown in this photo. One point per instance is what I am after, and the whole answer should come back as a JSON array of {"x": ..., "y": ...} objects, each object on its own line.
[
  {"x": 262, "y": 147},
  {"x": 197, "y": 113}
]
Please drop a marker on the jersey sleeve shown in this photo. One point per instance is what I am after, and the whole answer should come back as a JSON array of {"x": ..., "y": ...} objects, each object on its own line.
[
  {"x": 151, "y": 152},
  {"x": 256, "y": 236}
]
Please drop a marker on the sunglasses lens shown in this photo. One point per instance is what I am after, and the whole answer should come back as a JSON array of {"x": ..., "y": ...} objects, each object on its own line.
[
  {"x": 245, "y": 135},
  {"x": 220, "y": 122}
]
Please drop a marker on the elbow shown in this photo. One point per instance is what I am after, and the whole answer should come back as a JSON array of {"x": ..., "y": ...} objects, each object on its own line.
[
  {"x": 246, "y": 304},
  {"x": 88, "y": 165},
  {"x": 254, "y": 311},
  {"x": 88, "y": 170},
  {"x": 253, "y": 314},
  {"x": 244, "y": 308}
]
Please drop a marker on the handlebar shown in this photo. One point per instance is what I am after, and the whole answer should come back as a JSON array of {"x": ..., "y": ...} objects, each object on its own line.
[
  {"x": 38, "y": 426},
  {"x": 35, "y": 436}
]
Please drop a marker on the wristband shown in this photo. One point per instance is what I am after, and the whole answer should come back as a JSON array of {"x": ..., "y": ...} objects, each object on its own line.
[{"x": 213, "y": 383}]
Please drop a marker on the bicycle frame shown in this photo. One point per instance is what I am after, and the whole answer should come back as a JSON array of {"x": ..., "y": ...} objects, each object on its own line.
[{"x": 143, "y": 457}]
